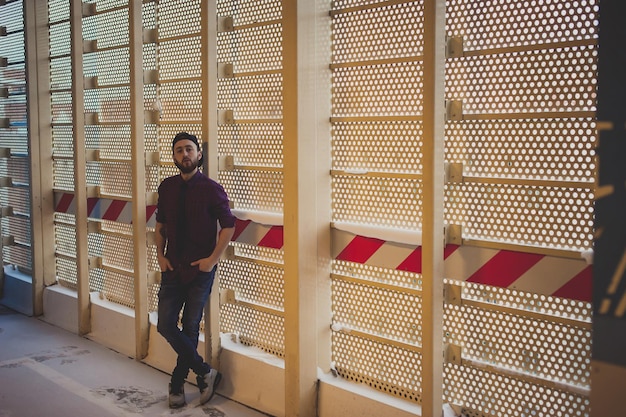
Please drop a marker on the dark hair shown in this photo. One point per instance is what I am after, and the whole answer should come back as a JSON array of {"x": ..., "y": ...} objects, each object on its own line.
[{"x": 184, "y": 135}]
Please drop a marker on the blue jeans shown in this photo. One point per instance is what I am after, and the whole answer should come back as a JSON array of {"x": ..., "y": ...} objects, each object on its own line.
[{"x": 191, "y": 298}]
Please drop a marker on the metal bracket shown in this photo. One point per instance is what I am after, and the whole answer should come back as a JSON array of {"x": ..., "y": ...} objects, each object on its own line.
[
  {"x": 225, "y": 70},
  {"x": 454, "y": 234},
  {"x": 152, "y": 198},
  {"x": 94, "y": 262},
  {"x": 89, "y": 9},
  {"x": 154, "y": 277},
  {"x": 225, "y": 24},
  {"x": 454, "y": 172},
  {"x": 151, "y": 116},
  {"x": 150, "y": 35},
  {"x": 151, "y": 76},
  {"x": 90, "y": 45},
  {"x": 454, "y": 110},
  {"x": 227, "y": 296},
  {"x": 226, "y": 162},
  {"x": 152, "y": 158},
  {"x": 90, "y": 82},
  {"x": 225, "y": 117},
  {"x": 452, "y": 294},
  {"x": 92, "y": 118},
  {"x": 454, "y": 47},
  {"x": 453, "y": 354}
]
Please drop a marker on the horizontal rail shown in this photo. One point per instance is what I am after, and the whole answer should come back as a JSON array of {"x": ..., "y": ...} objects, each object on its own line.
[
  {"x": 377, "y": 284},
  {"x": 361, "y": 119},
  {"x": 375, "y": 338},
  {"x": 375, "y": 174},
  {"x": 519, "y": 375}
]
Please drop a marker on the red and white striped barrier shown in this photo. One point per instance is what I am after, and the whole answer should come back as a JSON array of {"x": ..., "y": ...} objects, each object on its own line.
[
  {"x": 103, "y": 208},
  {"x": 535, "y": 273}
]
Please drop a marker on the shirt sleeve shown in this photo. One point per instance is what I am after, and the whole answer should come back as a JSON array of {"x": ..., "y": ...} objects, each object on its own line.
[
  {"x": 161, "y": 212},
  {"x": 222, "y": 207}
]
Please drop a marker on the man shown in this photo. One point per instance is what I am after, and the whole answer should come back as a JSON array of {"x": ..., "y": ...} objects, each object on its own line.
[{"x": 189, "y": 246}]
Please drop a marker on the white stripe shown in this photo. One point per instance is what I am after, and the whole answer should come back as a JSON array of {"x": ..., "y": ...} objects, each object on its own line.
[
  {"x": 339, "y": 241},
  {"x": 465, "y": 261},
  {"x": 126, "y": 215},
  {"x": 388, "y": 234},
  {"x": 390, "y": 255},
  {"x": 548, "y": 275},
  {"x": 253, "y": 233}
]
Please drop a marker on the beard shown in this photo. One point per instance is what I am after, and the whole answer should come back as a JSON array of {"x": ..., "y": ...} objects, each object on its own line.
[{"x": 187, "y": 168}]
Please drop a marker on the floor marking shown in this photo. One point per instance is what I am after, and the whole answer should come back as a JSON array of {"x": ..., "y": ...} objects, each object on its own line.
[{"x": 73, "y": 386}]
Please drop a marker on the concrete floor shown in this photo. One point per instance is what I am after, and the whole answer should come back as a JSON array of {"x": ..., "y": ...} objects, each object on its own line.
[{"x": 47, "y": 371}]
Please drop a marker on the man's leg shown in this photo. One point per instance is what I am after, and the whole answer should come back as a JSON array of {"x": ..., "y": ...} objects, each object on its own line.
[
  {"x": 199, "y": 291},
  {"x": 197, "y": 294},
  {"x": 171, "y": 299}
]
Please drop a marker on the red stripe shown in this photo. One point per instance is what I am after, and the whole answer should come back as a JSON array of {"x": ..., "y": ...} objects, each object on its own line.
[
  {"x": 91, "y": 203},
  {"x": 240, "y": 226},
  {"x": 150, "y": 210},
  {"x": 360, "y": 249},
  {"x": 273, "y": 238},
  {"x": 114, "y": 210},
  {"x": 578, "y": 288},
  {"x": 413, "y": 262},
  {"x": 449, "y": 250},
  {"x": 504, "y": 268},
  {"x": 64, "y": 203}
]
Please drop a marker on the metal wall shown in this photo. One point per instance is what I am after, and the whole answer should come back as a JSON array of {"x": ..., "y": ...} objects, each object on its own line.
[{"x": 481, "y": 124}]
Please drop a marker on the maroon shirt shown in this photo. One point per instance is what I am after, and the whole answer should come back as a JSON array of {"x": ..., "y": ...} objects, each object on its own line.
[{"x": 206, "y": 204}]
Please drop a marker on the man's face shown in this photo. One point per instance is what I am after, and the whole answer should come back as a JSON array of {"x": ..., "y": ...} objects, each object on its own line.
[{"x": 186, "y": 156}]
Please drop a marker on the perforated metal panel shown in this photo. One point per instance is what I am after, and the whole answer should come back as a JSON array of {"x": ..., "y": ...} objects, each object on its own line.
[
  {"x": 383, "y": 366},
  {"x": 558, "y": 217},
  {"x": 382, "y": 201},
  {"x": 108, "y": 170},
  {"x": 356, "y": 146},
  {"x": 252, "y": 144},
  {"x": 14, "y": 161},
  {"x": 520, "y": 83},
  {"x": 250, "y": 131},
  {"x": 547, "y": 149}
]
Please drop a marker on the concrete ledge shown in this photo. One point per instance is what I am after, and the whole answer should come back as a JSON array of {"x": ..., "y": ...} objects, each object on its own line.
[
  {"x": 112, "y": 325},
  {"x": 341, "y": 398},
  {"x": 17, "y": 291},
  {"x": 253, "y": 377},
  {"x": 60, "y": 307}
]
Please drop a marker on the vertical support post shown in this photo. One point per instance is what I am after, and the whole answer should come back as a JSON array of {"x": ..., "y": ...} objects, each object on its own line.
[
  {"x": 80, "y": 164},
  {"x": 142, "y": 324},
  {"x": 300, "y": 242},
  {"x": 208, "y": 13},
  {"x": 40, "y": 138},
  {"x": 432, "y": 223},
  {"x": 315, "y": 131}
]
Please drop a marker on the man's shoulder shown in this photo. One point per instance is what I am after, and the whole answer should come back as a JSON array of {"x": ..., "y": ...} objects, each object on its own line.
[
  {"x": 170, "y": 180},
  {"x": 202, "y": 179}
]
